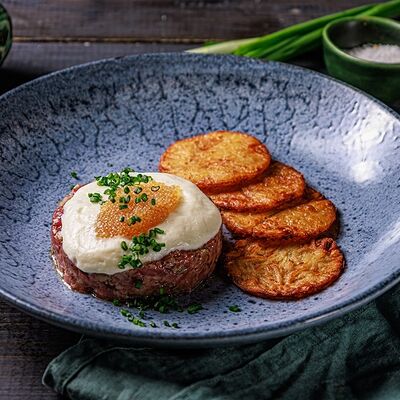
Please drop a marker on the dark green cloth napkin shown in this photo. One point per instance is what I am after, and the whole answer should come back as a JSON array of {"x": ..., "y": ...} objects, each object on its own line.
[{"x": 354, "y": 357}]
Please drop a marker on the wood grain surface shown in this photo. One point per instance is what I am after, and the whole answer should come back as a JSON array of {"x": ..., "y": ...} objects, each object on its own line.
[{"x": 158, "y": 20}]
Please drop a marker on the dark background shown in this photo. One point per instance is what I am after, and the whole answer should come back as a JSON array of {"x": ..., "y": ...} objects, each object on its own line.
[{"x": 53, "y": 34}]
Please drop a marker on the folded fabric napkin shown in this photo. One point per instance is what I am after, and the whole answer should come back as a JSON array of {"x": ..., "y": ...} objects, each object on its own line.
[{"x": 354, "y": 357}]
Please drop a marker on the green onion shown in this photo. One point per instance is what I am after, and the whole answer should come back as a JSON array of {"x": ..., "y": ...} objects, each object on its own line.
[
  {"x": 234, "y": 308},
  {"x": 74, "y": 175},
  {"x": 144, "y": 197},
  {"x": 153, "y": 202},
  {"x": 296, "y": 39},
  {"x": 194, "y": 308},
  {"x": 95, "y": 197},
  {"x": 138, "y": 284}
]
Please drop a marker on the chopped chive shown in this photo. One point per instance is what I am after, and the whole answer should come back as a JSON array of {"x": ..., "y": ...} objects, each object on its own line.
[
  {"x": 234, "y": 308},
  {"x": 121, "y": 218},
  {"x": 153, "y": 324},
  {"x": 138, "y": 322},
  {"x": 95, "y": 197},
  {"x": 166, "y": 323},
  {"x": 126, "y": 189},
  {"x": 123, "y": 206},
  {"x": 138, "y": 190},
  {"x": 125, "y": 313},
  {"x": 74, "y": 175},
  {"x": 153, "y": 202},
  {"x": 124, "y": 246},
  {"x": 194, "y": 308},
  {"x": 162, "y": 309},
  {"x": 144, "y": 197},
  {"x": 175, "y": 325},
  {"x": 138, "y": 283},
  {"x": 116, "y": 302}
]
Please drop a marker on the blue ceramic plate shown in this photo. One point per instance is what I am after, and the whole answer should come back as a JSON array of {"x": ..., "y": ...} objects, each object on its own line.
[{"x": 127, "y": 111}]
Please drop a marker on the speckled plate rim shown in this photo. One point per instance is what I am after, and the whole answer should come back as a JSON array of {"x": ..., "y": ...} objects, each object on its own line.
[{"x": 189, "y": 340}]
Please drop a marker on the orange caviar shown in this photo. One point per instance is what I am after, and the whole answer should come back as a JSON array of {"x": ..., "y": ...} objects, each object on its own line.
[{"x": 157, "y": 202}]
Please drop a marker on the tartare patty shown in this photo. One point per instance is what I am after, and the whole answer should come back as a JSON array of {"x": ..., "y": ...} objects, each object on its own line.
[{"x": 176, "y": 264}]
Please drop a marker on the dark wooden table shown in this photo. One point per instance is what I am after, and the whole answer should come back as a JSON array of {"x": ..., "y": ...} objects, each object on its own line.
[{"x": 53, "y": 34}]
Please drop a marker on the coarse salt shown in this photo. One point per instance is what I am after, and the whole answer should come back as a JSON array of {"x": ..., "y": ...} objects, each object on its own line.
[{"x": 383, "y": 53}]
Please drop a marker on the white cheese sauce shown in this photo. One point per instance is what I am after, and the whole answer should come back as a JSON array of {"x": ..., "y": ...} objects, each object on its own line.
[{"x": 192, "y": 224}]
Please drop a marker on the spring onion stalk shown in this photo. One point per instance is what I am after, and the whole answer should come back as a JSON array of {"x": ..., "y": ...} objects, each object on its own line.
[{"x": 297, "y": 39}]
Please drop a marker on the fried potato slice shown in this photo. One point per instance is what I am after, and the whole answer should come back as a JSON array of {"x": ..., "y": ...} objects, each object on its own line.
[
  {"x": 279, "y": 184},
  {"x": 216, "y": 161},
  {"x": 287, "y": 271},
  {"x": 301, "y": 221}
]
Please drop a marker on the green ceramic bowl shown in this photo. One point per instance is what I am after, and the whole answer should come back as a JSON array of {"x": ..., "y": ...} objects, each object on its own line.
[
  {"x": 382, "y": 80},
  {"x": 5, "y": 33}
]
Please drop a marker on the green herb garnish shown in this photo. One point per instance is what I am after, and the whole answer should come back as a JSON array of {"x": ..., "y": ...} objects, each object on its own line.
[
  {"x": 140, "y": 246},
  {"x": 131, "y": 318},
  {"x": 95, "y": 197},
  {"x": 132, "y": 220},
  {"x": 234, "y": 308},
  {"x": 143, "y": 197},
  {"x": 138, "y": 283},
  {"x": 74, "y": 175},
  {"x": 194, "y": 308},
  {"x": 115, "y": 180}
]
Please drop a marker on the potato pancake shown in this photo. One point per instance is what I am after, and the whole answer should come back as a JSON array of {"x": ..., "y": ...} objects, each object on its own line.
[
  {"x": 290, "y": 271},
  {"x": 279, "y": 185},
  {"x": 297, "y": 223},
  {"x": 217, "y": 161}
]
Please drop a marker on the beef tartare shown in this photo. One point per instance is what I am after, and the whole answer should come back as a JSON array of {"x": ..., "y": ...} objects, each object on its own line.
[{"x": 128, "y": 235}]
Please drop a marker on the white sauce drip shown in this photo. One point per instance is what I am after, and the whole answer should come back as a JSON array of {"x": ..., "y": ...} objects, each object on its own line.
[{"x": 192, "y": 224}]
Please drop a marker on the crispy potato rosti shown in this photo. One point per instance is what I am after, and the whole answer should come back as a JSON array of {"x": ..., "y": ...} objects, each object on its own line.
[
  {"x": 298, "y": 223},
  {"x": 217, "y": 161},
  {"x": 279, "y": 185},
  {"x": 288, "y": 271}
]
